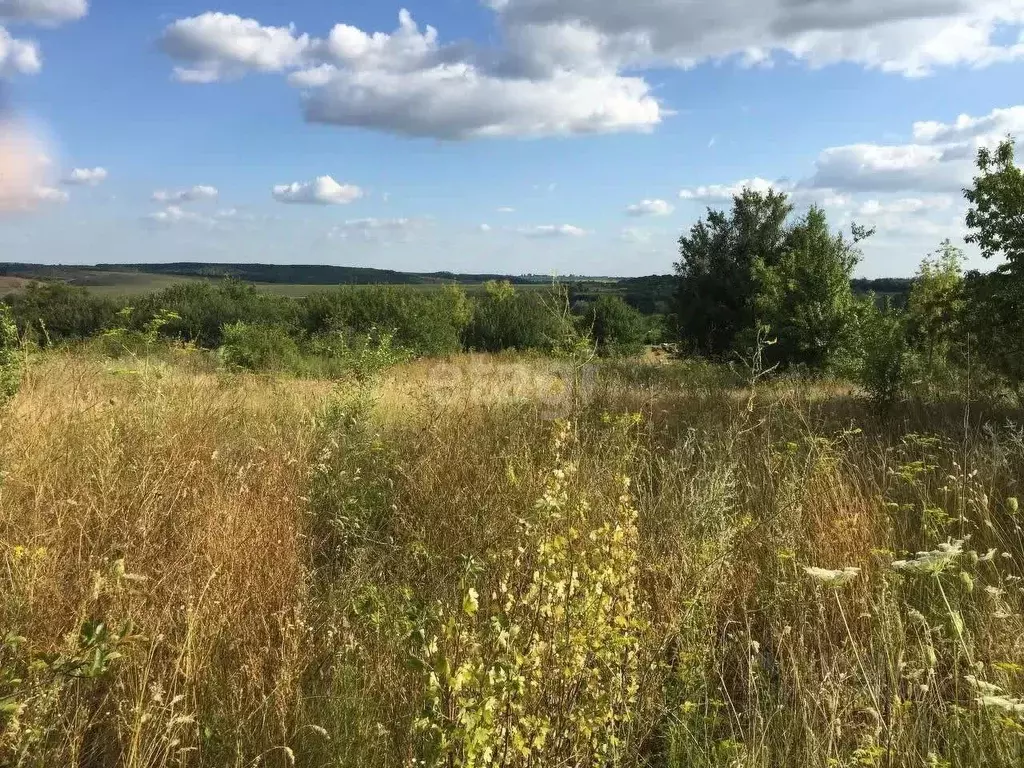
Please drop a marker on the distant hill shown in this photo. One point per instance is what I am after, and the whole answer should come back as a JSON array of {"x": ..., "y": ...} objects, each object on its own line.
[{"x": 285, "y": 274}]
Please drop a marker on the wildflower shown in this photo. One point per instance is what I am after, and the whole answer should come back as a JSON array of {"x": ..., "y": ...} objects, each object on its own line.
[
  {"x": 1002, "y": 702},
  {"x": 934, "y": 562},
  {"x": 832, "y": 579},
  {"x": 1013, "y": 504},
  {"x": 989, "y": 689}
]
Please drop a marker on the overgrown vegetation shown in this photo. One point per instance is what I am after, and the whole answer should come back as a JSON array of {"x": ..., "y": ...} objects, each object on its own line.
[{"x": 421, "y": 557}]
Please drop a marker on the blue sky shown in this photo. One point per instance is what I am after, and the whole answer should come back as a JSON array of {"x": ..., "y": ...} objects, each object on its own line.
[{"x": 568, "y": 136}]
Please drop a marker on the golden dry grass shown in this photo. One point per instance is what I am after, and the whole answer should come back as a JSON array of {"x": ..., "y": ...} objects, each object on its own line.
[{"x": 270, "y": 548}]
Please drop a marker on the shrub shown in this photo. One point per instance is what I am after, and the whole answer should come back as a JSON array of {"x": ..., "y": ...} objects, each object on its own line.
[
  {"x": 10, "y": 364},
  {"x": 888, "y": 364},
  {"x": 616, "y": 327},
  {"x": 55, "y": 312},
  {"x": 259, "y": 348},
  {"x": 425, "y": 322},
  {"x": 504, "y": 318}
]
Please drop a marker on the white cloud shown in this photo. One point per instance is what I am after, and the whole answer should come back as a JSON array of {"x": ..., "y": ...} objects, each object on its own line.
[
  {"x": 407, "y": 83},
  {"x": 216, "y": 46},
  {"x": 724, "y": 193},
  {"x": 939, "y": 160},
  {"x": 506, "y": 210},
  {"x": 460, "y": 101},
  {"x": 190, "y": 195},
  {"x": 912, "y": 37},
  {"x": 45, "y": 194},
  {"x": 321, "y": 191},
  {"x": 553, "y": 231},
  {"x": 485, "y": 227},
  {"x": 904, "y": 206},
  {"x": 175, "y": 214},
  {"x": 18, "y": 57},
  {"x": 650, "y": 208},
  {"x": 998, "y": 122},
  {"x": 379, "y": 230},
  {"x": 91, "y": 177},
  {"x": 43, "y": 11}
]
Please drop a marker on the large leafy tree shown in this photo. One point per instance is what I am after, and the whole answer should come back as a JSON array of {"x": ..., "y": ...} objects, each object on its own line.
[
  {"x": 715, "y": 294},
  {"x": 996, "y": 219},
  {"x": 805, "y": 297}
]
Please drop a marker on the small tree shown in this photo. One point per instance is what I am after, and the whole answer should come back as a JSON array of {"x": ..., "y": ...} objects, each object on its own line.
[
  {"x": 616, "y": 327},
  {"x": 935, "y": 312},
  {"x": 716, "y": 285},
  {"x": 806, "y": 297}
]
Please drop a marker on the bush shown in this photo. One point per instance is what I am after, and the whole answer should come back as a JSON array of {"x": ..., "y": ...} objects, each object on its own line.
[
  {"x": 55, "y": 312},
  {"x": 425, "y": 322},
  {"x": 504, "y": 318},
  {"x": 10, "y": 365},
  {"x": 616, "y": 327},
  {"x": 888, "y": 364},
  {"x": 204, "y": 310},
  {"x": 259, "y": 348}
]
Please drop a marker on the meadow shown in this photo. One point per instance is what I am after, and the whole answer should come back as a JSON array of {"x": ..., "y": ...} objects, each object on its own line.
[{"x": 502, "y": 560}]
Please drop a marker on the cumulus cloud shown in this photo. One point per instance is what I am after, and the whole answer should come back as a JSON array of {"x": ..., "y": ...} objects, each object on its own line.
[
  {"x": 18, "y": 57},
  {"x": 217, "y": 46},
  {"x": 190, "y": 195},
  {"x": 553, "y": 231},
  {"x": 939, "y": 160},
  {"x": 407, "y": 82},
  {"x": 650, "y": 208},
  {"x": 89, "y": 177},
  {"x": 912, "y": 37},
  {"x": 724, "y": 193},
  {"x": 175, "y": 214},
  {"x": 43, "y": 11},
  {"x": 321, "y": 191},
  {"x": 571, "y": 66},
  {"x": 506, "y": 209}
]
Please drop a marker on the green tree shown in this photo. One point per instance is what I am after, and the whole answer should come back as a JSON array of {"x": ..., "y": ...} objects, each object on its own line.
[
  {"x": 715, "y": 271},
  {"x": 506, "y": 318},
  {"x": 616, "y": 327},
  {"x": 806, "y": 298},
  {"x": 996, "y": 301},
  {"x": 935, "y": 312}
]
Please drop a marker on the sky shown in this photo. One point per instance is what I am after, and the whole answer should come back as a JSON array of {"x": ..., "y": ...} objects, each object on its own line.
[{"x": 502, "y": 136}]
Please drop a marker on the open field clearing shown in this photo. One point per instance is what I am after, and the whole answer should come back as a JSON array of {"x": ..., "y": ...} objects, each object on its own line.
[{"x": 448, "y": 566}]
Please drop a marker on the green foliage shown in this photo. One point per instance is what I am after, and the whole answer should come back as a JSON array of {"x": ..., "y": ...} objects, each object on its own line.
[
  {"x": 996, "y": 220},
  {"x": 888, "y": 364},
  {"x": 715, "y": 298},
  {"x": 996, "y": 213},
  {"x": 935, "y": 315},
  {"x": 10, "y": 362},
  {"x": 55, "y": 312},
  {"x": 203, "y": 310},
  {"x": 506, "y": 318},
  {"x": 258, "y": 348},
  {"x": 428, "y": 323},
  {"x": 546, "y": 670},
  {"x": 805, "y": 297},
  {"x": 616, "y": 327},
  {"x": 361, "y": 356}
]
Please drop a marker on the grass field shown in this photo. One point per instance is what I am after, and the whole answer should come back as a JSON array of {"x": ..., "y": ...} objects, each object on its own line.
[{"x": 501, "y": 561}]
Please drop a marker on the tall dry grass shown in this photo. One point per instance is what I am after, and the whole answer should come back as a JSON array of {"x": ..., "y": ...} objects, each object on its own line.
[{"x": 294, "y": 573}]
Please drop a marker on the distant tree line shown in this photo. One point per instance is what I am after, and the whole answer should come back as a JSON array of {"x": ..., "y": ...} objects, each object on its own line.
[
  {"x": 420, "y": 322},
  {"x": 757, "y": 281}
]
